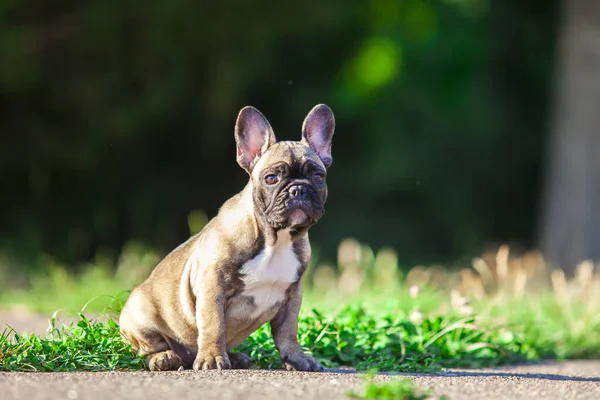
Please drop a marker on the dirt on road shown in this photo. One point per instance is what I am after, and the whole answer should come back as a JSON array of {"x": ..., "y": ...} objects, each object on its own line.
[{"x": 564, "y": 380}]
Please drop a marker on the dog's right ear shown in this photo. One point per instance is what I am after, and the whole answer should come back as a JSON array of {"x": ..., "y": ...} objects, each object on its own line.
[{"x": 253, "y": 136}]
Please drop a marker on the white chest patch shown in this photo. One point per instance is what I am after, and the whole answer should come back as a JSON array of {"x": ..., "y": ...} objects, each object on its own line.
[{"x": 268, "y": 275}]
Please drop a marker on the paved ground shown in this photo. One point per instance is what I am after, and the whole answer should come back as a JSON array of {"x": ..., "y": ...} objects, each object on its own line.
[
  {"x": 573, "y": 380},
  {"x": 570, "y": 380}
]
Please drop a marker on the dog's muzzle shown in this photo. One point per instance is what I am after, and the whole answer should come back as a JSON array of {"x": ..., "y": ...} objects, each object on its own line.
[{"x": 302, "y": 206}]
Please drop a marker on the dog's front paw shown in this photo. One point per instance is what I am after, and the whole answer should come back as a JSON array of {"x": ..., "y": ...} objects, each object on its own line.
[
  {"x": 206, "y": 361},
  {"x": 301, "y": 362}
]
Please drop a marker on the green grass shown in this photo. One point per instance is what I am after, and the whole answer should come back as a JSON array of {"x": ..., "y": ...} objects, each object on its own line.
[
  {"x": 380, "y": 323},
  {"x": 391, "y": 331},
  {"x": 56, "y": 289},
  {"x": 561, "y": 327},
  {"x": 398, "y": 389},
  {"x": 84, "y": 346},
  {"x": 389, "y": 342},
  {"x": 351, "y": 337}
]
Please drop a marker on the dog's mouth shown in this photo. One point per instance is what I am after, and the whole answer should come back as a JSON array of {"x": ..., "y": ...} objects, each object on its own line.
[
  {"x": 299, "y": 212},
  {"x": 297, "y": 217},
  {"x": 300, "y": 216},
  {"x": 296, "y": 214},
  {"x": 296, "y": 211}
]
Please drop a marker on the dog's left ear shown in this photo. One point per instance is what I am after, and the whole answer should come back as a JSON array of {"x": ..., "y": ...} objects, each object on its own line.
[
  {"x": 317, "y": 132},
  {"x": 253, "y": 137}
]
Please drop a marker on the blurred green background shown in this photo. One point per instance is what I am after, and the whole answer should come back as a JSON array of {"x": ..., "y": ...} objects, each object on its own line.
[{"x": 117, "y": 119}]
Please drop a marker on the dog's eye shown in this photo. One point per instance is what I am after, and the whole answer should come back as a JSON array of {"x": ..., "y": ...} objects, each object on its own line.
[
  {"x": 271, "y": 179},
  {"x": 318, "y": 178}
]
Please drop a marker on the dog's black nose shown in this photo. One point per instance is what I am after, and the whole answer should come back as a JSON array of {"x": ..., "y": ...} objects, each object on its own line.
[{"x": 297, "y": 191}]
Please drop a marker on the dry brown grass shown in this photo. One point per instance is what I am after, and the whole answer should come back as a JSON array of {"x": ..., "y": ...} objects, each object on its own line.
[{"x": 495, "y": 274}]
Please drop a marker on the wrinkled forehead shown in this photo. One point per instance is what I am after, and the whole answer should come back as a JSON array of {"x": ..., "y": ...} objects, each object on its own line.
[{"x": 288, "y": 152}]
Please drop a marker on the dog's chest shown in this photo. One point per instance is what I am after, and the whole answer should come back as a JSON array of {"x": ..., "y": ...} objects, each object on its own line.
[{"x": 268, "y": 275}]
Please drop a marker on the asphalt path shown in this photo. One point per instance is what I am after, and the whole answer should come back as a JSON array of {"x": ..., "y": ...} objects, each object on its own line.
[{"x": 561, "y": 380}]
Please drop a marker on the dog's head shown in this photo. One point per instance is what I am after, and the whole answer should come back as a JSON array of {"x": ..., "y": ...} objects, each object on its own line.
[{"x": 289, "y": 178}]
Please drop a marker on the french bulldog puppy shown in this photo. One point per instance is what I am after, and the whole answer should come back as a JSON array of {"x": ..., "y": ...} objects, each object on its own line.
[{"x": 245, "y": 267}]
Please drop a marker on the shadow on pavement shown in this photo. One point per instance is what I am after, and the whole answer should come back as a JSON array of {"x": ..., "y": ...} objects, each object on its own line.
[
  {"x": 551, "y": 377},
  {"x": 501, "y": 372}
]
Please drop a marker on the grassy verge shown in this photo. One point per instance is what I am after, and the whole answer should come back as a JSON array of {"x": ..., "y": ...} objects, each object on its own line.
[
  {"x": 391, "y": 343},
  {"x": 84, "y": 346},
  {"x": 363, "y": 313},
  {"x": 351, "y": 337}
]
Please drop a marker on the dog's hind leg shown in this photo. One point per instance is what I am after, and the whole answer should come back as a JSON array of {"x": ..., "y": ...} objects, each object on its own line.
[
  {"x": 164, "y": 361},
  {"x": 146, "y": 340}
]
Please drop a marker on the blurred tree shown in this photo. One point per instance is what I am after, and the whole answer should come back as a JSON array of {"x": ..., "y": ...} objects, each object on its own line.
[
  {"x": 117, "y": 117},
  {"x": 570, "y": 219}
]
